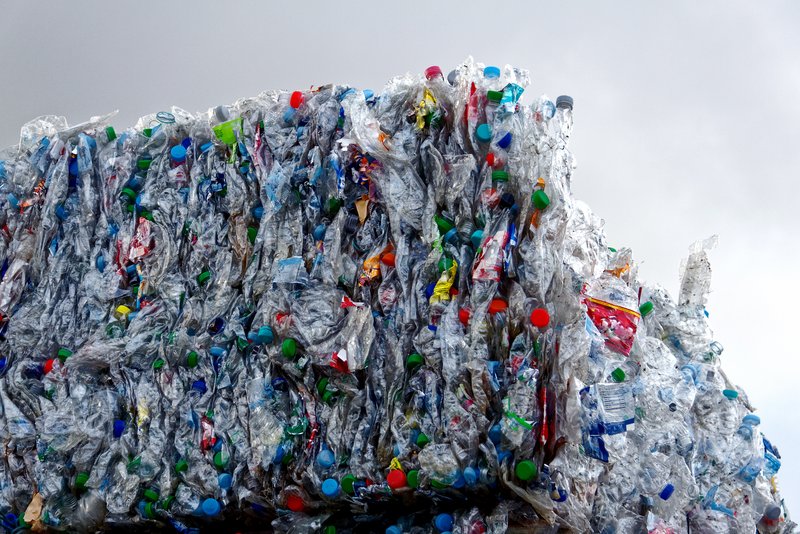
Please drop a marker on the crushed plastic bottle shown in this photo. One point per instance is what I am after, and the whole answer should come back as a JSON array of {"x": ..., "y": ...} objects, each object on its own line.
[{"x": 335, "y": 310}]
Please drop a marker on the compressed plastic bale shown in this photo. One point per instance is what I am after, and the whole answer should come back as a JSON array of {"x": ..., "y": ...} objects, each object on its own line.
[{"x": 321, "y": 309}]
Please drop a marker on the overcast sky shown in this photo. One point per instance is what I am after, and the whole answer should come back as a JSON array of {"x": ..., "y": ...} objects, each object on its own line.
[{"x": 687, "y": 119}]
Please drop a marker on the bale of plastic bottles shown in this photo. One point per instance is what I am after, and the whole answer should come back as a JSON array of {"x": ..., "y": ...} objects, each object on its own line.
[{"x": 340, "y": 311}]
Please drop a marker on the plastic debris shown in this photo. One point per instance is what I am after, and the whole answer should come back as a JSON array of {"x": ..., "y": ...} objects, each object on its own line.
[{"x": 333, "y": 310}]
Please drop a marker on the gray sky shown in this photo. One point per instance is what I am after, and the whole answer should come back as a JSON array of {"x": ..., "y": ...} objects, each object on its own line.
[{"x": 687, "y": 118}]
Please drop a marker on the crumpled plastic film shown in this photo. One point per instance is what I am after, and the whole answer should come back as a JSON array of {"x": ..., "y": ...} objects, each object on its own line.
[{"x": 340, "y": 311}]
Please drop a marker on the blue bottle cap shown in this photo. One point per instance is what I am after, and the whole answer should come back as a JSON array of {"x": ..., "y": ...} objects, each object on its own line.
[
  {"x": 451, "y": 236},
  {"x": 505, "y": 141},
  {"x": 330, "y": 488},
  {"x": 258, "y": 212},
  {"x": 470, "y": 476},
  {"x": 368, "y": 94},
  {"x": 100, "y": 263},
  {"x": 217, "y": 351},
  {"x": 279, "y": 454},
  {"x": 496, "y": 434},
  {"x": 666, "y": 493},
  {"x": 211, "y": 507},
  {"x": 751, "y": 419},
  {"x": 394, "y": 529},
  {"x": 289, "y": 114},
  {"x": 265, "y": 335},
  {"x": 491, "y": 72},
  {"x": 187, "y": 142},
  {"x": 476, "y": 238},
  {"x": 73, "y": 167},
  {"x": 564, "y": 101},
  {"x": 199, "y": 386},
  {"x": 443, "y": 522},
  {"x": 178, "y": 153},
  {"x": 319, "y": 232},
  {"x": 730, "y": 393},
  {"x": 205, "y": 147},
  {"x": 326, "y": 458},
  {"x": 119, "y": 427},
  {"x": 225, "y": 481},
  {"x": 460, "y": 481},
  {"x": 483, "y": 133}
]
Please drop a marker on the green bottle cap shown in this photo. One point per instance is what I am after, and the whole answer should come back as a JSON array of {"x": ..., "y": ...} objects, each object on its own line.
[
  {"x": 618, "y": 375},
  {"x": 128, "y": 192},
  {"x": 347, "y": 484},
  {"x": 540, "y": 199},
  {"x": 241, "y": 343},
  {"x": 494, "y": 96},
  {"x": 327, "y": 397},
  {"x": 412, "y": 478},
  {"x": 422, "y": 440},
  {"x": 612, "y": 249},
  {"x": 287, "y": 458},
  {"x": 167, "y": 502},
  {"x": 289, "y": 348},
  {"x": 499, "y": 176},
  {"x": 147, "y": 132},
  {"x": 148, "y": 510},
  {"x": 444, "y": 224},
  {"x": 414, "y": 360},
  {"x": 181, "y": 466},
  {"x": 646, "y": 308},
  {"x": 150, "y": 495},
  {"x": 221, "y": 459},
  {"x": 526, "y": 470},
  {"x": 63, "y": 354},
  {"x": 158, "y": 363},
  {"x": 147, "y": 215},
  {"x": 437, "y": 484},
  {"x": 333, "y": 205},
  {"x": 730, "y": 393},
  {"x": 322, "y": 385},
  {"x": 252, "y": 232},
  {"x": 203, "y": 277},
  {"x": 144, "y": 163},
  {"x": 445, "y": 264},
  {"x": 191, "y": 359},
  {"x": 330, "y": 529},
  {"x": 130, "y": 208},
  {"x": 110, "y": 133},
  {"x": 81, "y": 479}
]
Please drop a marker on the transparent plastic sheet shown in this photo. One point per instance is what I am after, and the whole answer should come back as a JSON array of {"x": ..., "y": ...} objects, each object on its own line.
[{"x": 338, "y": 311}]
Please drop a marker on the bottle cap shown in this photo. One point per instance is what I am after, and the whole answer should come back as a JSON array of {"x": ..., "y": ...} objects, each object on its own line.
[
  {"x": 296, "y": 99},
  {"x": 258, "y": 212},
  {"x": 666, "y": 493},
  {"x": 772, "y": 512},
  {"x": 505, "y": 141},
  {"x": 751, "y": 419},
  {"x": 476, "y": 238},
  {"x": 81, "y": 479},
  {"x": 63, "y": 354},
  {"x": 347, "y": 484},
  {"x": 368, "y": 94},
  {"x": 730, "y": 393},
  {"x": 414, "y": 360},
  {"x": 618, "y": 375},
  {"x": 495, "y": 434},
  {"x": 445, "y": 264},
  {"x": 470, "y": 476},
  {"x": 494, "y": 96},
  {"x": 540, "y": 199},
  {"x": 396, "y": 479},
  {"x": 443, "y": 223},
  {"x": 330, "y": 488},
  {"x": 388, "y": 259},
  {"x": 144, "y": 163},
  {"x": 491, "y": 72},
  {"x": 526, "y": 470},
  {"x": 178, "y": 153},
  {"x": 221, "y": 459},
  {"x": 497, "y": 306},
  {"x": 394, "y": 529},
  {"x": 225, "y": 481},
  {"x": 422, "y": 440},
  {"x": 289, "y": 348},
  {"x": 187, "y": 142},
  {"x": 432, "y": 72},
  {"x": 564, "y": 102},
  {"x": 211, "y": 507},
  {"x": 319, "y": 232},
  {"x": 110, "y": 133},
  {"x": 499, "y": 176},
  {"x": 181, "y": 466},
  {"x": 203, "y": 277},
  {"x": 451, "y": 236},
  {"x": 295, "y": 503},
  {"x": 490, "y": 159},
  {"x": 483, "y": 133},
  {"x": 540, "y": 318},
  {"x": 191, "y": 359},
  {"x": 199, "y": 386},
  {"x": 150, "y": 495},
  {"x": 252, "y": 233},
  {"x": 463, "y": 316},
  {"x": 48, "y": 365},
  {"x": 646, "y": 308},
  {"x": 443, "y": 522},
  {"x": 325, "y": 458},
  {"x": 412, "y": 478},
  {"x": 119, "y": 428}
]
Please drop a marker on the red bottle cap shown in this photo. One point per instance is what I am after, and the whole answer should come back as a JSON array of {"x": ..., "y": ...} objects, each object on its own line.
[
  {"x": 432, "y": 72},
  {"x": 396, "y": 479},
  {"x": 540, "y": 318},
  {"x": 463, "y": 316},
  {"x": 497, "y": 305},
  {"x": 295, "y": 503},
  {"x": 48, "y": 365},
  {"x": 490, "y": 159},
  {"x": 296, "y": 99},
  {"x": 388, "y": 259}
]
